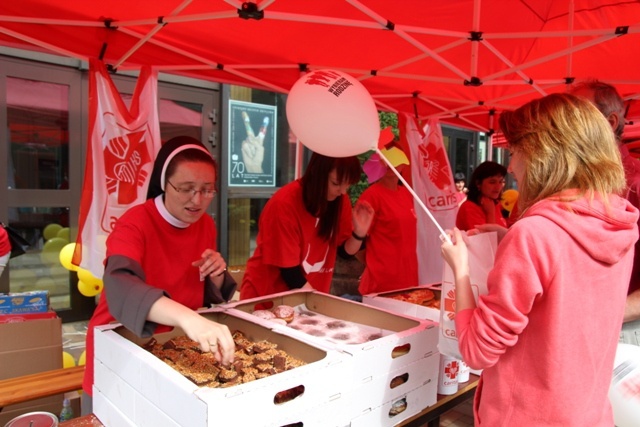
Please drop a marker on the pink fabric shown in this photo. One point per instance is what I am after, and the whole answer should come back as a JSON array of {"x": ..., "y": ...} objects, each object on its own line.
[
  {"x": 547, "y": 331},
  {"x": 632, "y": 173}
]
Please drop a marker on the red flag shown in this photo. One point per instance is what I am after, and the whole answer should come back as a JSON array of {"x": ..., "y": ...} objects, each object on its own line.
[
  {"x": 121, "y": 148},
  {"x": 432, "y": 181}
]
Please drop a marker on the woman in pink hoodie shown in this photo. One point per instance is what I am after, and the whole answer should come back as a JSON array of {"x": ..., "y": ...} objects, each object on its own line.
[{"x": 546, "y": 332}]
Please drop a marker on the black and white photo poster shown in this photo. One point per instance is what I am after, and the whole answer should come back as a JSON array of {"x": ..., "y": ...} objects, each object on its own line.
[{"x": 252, "y": 145}]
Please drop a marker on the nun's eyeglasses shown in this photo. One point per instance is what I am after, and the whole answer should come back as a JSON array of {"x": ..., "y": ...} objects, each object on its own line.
[{"x": 190, "y": 193}]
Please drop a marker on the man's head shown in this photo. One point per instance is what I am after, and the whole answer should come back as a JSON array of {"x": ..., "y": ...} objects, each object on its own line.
[{"x": 607, "y": 99}]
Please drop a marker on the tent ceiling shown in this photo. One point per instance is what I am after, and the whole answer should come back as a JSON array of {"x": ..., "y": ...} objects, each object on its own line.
[{"x": 458, "y": 60}]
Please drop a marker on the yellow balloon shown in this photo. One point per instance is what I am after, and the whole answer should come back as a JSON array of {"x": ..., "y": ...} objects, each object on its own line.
[
  {"x": 88, "y": 278},
  {"x": 55, "y": 244},
  {"x": 51, "y": 250},
  {"x": 82, "y": 360},
  {"x": 67, "y": 360},
  {"x": 89, "y": 290},
  {"x": 64, "y": 233},
  {"x": 51, "y": 231},
  {"x": 66, "y": 255}
]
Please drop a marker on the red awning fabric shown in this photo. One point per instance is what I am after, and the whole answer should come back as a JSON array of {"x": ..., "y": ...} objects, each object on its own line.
[{"x": 462, "y": 61}]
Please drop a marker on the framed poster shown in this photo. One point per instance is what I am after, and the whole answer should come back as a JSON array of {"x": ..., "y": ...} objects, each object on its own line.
[{"x": 252, "y": 144}]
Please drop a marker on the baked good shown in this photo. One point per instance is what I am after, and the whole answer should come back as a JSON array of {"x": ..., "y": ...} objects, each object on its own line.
[
  {"x": 424, "y": 297},
  {"x": 285, "y": 312},
  {"x": 264, "y": 314},
  {"x": 252, "y": 360},
  {"x": 398, "y": 407}
]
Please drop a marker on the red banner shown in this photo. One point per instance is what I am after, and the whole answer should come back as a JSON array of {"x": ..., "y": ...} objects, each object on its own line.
[
  {"x": 432, "y": 181},
  {"x": 122, "y": 145}
]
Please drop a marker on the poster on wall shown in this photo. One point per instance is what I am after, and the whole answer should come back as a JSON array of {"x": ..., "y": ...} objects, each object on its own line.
[{"x": 252, "y": 144}]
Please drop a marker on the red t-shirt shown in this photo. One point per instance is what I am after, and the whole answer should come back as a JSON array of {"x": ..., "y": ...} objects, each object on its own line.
[
  {"x": 390, "y": 251},
  {"x": 165, "y": 253},
  {"x": 471, "y": 214},
  {"x": 5, "y": 245},
  {"x": 288, "y": 237}
]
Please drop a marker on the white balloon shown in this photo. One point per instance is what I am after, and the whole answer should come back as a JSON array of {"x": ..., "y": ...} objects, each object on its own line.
[
  {"x": 623, "y": 393},
  {"x": 333, "y": 114}
]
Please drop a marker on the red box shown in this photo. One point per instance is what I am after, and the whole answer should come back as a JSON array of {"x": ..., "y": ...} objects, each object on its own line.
[{"x": 23, "y": 317}]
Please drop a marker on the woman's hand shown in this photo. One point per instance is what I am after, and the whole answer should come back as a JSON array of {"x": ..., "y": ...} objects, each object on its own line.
[
  {"x": 488, "y": 205},
  {"x": 456, "y": 254},
  {"x": 211, "y": 264},
  {"x": 212, "y": 336},
  {"x": 362, "y": 218}
]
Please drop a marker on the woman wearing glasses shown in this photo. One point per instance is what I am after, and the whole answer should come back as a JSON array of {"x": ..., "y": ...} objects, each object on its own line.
[
  {"x": 161, "y": 261},
  {"x": 483, "y": 200}
]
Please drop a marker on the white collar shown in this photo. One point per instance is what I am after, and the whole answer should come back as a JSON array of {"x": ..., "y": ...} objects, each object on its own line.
[{"x": 164, "y": 213}]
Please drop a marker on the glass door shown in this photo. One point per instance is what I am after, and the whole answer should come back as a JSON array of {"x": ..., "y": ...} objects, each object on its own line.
[
  {"x": 42, "y": 150},
  {"x": 43, "y": 110}
]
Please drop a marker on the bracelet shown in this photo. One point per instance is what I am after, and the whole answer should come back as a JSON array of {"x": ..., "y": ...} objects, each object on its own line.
[{"x": 355, "y": 236}]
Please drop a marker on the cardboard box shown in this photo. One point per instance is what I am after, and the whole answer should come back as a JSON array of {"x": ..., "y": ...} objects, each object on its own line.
[
  {"x": 382, "y": 300},
  {"x": 27, "y": 348},
  {"x": 391, "y": 386},
  {"x": 24, "y": 302},
  {"x": 30, "y": 347},
  {"x": 410, "y": 339},
  {"x": 147, "y": 391},
  {"x": 416, "y": 400}
]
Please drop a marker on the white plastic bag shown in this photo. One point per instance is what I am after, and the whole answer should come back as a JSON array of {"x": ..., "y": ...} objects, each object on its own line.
[{"x": 482, "y": 253}]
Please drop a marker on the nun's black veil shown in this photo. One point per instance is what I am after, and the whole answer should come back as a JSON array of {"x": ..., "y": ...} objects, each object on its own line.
[{"x": 164, "y": 155}]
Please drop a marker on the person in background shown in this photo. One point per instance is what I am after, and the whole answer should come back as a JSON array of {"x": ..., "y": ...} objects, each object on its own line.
[
  {"x": 390, "y": 254},
  {"x": 606, "y": 98},
  {"x": 461, "y": 188},
  {"x": 161, "y": 262},
  {"x": 5, "y": 249},
  {"x": 483, "y": 199},
  {"x": 302, "y": 228},
  {"x": 552, "y": 271}
]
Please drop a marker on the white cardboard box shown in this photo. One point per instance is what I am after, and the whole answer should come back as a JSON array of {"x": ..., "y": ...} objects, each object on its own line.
[
  {"x": 411, "y": 339},
  {"x": 382, "y": 300},
  {"x": 369, "y": 395},
  {"x": 145, "y": 388},
  {"x": 416, "y": 400}
]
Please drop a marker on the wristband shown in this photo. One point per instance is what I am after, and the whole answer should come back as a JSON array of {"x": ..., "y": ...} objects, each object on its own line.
[{"x": 355, "y": 236}]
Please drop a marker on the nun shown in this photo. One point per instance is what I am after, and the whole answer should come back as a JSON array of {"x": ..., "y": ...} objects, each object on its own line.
[{"x": 161, "y": 261}]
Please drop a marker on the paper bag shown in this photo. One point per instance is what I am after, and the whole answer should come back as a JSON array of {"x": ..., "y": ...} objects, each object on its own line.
[{"x": 482, "y": 253}]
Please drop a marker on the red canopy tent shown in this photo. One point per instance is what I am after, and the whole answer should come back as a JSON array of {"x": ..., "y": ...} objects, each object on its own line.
[{"x": 461, "y": 61}]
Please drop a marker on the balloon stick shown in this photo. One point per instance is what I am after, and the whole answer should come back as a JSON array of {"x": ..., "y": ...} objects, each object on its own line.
[{"x": 443, "y": 235}]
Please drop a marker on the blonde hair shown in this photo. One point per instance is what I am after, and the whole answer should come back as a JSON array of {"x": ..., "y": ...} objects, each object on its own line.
[{"x": 565, "y": 143}]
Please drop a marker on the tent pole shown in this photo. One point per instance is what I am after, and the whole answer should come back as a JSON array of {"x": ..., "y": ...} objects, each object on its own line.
[{"x": 443, "y": 236}]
